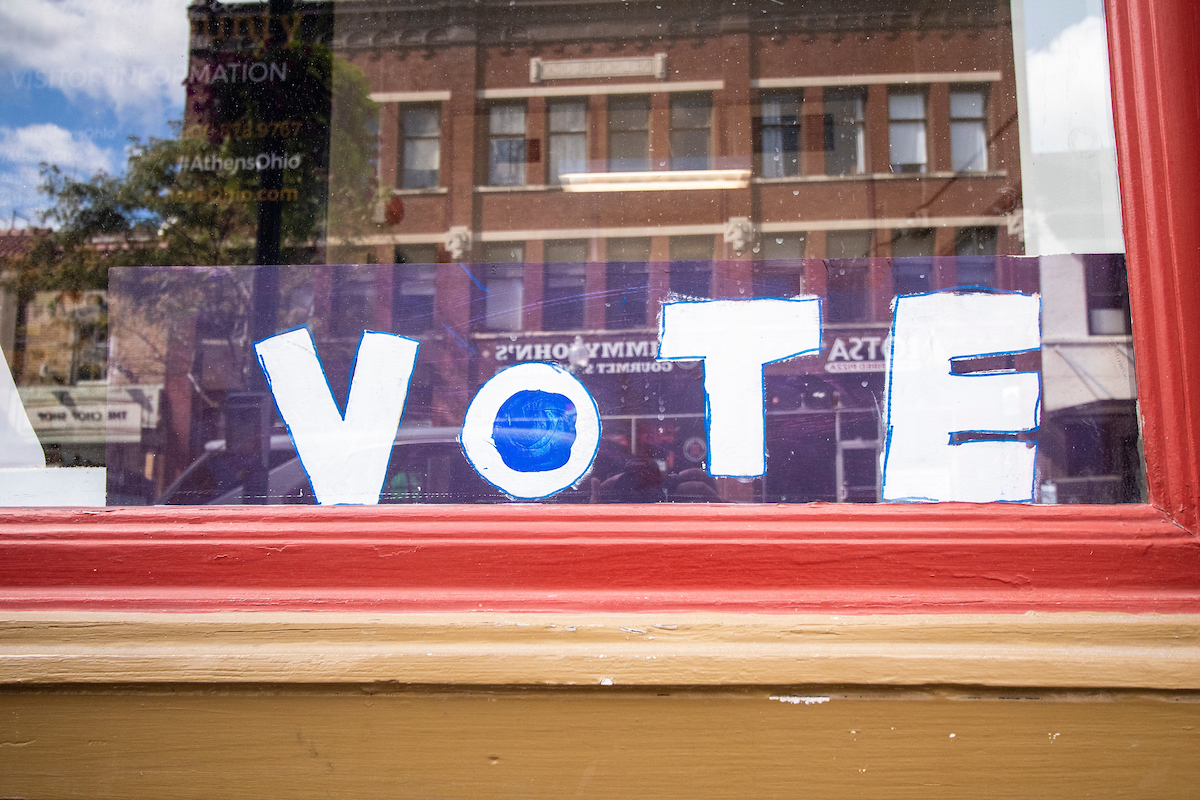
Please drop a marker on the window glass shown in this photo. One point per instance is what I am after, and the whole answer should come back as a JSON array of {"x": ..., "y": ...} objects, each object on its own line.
[
  {"x": 564, "y": 285},
  {"x": 906, "y": 131},
  {"x": 780, "y": 272},
  {"x": 414, "y": 288},
  {"x": 629, "y": 134},
  {"x": 1107, "y": 295},
  {"x": 422, "y": 148},
  {"x": 779, "y": 131},
  {"x": 568, "y": 138},
  {"x": 845, "y": 137},
  {"x": 627, "y": 276},
  {"x": 506, "y": 145},
  {"x": 968, "y": 131},
  {"x": 976, "y": 265},
  {"x": 690, "y": 272},
  {"x": 912, "y": 265},
  {"x": 604, "y": 170},
  {"x": 501, "y": 287},
  {"x": 691, "y": 119}
]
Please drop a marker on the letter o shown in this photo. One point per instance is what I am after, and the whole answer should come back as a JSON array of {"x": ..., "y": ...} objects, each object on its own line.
[
  {"x": 293, "y": 162},
  {"x": 262, "y": 162},
  {"x": 485, "y": 456},
  {"x": 262, "y": 76},
  {"x": 560, "y": 351},
  {"x": 273, "y": 194}
]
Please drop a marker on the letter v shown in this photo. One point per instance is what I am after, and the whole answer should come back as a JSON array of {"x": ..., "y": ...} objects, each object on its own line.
[{"x": 345, "y": 457}]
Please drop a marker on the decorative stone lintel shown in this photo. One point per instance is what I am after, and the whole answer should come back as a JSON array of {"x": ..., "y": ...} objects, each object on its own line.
[{"x": 648, "y": 66}]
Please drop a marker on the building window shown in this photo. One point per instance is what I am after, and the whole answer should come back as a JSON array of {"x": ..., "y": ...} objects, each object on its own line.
[
  {"x": 353, "y": 299},
  {"x": 1107, "y": 295},
  {"x": 913, "y": 272},
  {"x": 846, "y": 276},
  {"x": 501, "y": 284},
  {"x": 568, "y": 138},
  {"x": 691, "y": 266},
  {"x": 779, "y": 136},
  {"x": 563, "y": 284},
  {"x": 629, "y": 134},
  {"x": 975, "y": 242},
  {"x": 413, "y": 288},
  {"x": 627, "y": 281},
  {"x": 691, "y": 131},
  {"x": 976, "y": 251},
  {"x": 845, "y": 145},
  {"x": 968, "y": 130},
  {"x": 506, "y": 145},
  {"x": 421, "y": 153},
  {"x": 780, "y": 273},
  {"x": 906, "y": 131}
]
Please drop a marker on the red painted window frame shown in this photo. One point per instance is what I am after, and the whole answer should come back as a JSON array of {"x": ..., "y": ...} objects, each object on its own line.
[{"x": 822, "y": 558}]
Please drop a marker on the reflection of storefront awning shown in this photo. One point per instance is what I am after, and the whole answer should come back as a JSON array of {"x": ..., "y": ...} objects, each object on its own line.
[
  {"x": 90, "y": 414},
  {"x": 1077, "y": 373}
]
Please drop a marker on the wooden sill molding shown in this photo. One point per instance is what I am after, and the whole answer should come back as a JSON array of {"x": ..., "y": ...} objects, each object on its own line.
[{"x": 663, "y": 649}]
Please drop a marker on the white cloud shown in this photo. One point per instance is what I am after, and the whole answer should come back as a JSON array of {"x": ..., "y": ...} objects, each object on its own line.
[
  {"x": 129, "y": 53},
  {"x": 1070, "y": 104},
  {"x": 23, "y": 150}
]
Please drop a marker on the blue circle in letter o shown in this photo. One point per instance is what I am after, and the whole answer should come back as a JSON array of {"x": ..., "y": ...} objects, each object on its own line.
[{"x": 534, "y": 431}]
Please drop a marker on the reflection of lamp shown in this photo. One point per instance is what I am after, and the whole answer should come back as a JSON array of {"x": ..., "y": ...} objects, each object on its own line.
[{"x": 673, "y": 180}]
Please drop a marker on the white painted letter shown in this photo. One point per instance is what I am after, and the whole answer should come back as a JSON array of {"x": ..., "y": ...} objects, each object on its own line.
[
  {"x": 19, "y": 445},
  {"x": 532, "y": 430},
  {"x": 736, "y": 338},
  {"x": 927, "y": 404},
  {"x": 345, "y": 457}
]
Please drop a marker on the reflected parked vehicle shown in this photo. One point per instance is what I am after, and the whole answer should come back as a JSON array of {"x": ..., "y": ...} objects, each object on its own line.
[{"x": 427, "y": 466}]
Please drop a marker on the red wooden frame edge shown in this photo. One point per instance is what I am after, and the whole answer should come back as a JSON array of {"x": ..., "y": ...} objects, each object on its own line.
[
  {"x": 821, "y": 558},
  {"x": 840, "y": 559},
  {"x": 1156, "y": 106}
]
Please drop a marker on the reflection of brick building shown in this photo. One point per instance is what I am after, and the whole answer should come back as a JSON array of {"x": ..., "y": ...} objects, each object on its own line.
[
  {"x": 701, "y": 150},
  {"x": 544, "y": 185}
]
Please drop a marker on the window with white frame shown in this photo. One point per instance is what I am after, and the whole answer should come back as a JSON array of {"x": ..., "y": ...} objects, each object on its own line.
[
  {"x": 567, "y": 138},
  {"x": 501, "y": 284},
  {"x": 968, "y": 130},
  {"x": 691, "y": 131},
  {"x": 779, "y": 136},
  {"x": 907, "y": 150},
  {"x": 506, "y": 145},
  {"x": 420, "y": 157},
  {"x": 627, "y": 278},
  {"x": 563, "y": 284},
  {"x": 845, "y": 136},
  {"x": 414, "y": 288},
  {"x": 629, "y": 134},
  {"x": 780, "y": 270}
]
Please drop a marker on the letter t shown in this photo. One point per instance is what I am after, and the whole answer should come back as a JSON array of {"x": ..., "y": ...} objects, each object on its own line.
[{"x": 736, "y": 339}]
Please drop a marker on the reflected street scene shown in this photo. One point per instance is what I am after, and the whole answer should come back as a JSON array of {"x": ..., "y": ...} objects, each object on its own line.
[{"x": 511, "y": 183}]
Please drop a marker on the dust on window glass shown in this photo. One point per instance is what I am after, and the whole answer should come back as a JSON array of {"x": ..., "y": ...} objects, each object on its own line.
[{"x": 533, "y": 184}]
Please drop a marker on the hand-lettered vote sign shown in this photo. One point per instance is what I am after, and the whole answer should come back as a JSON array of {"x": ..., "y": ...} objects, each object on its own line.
[{"x": 533, "y": 429}]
